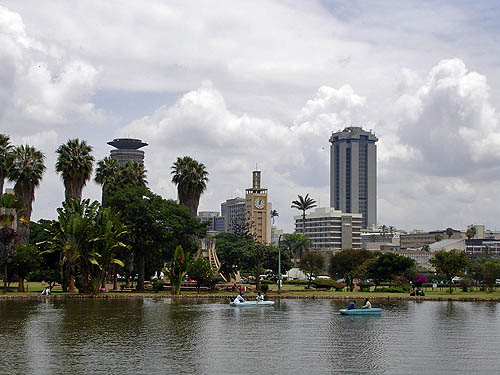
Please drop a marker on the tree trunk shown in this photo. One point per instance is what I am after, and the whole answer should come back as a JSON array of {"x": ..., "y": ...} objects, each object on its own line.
[
  {"x": 20, "y": 285},
  {"x": 141, "y": 266},
  {"x": 71, "y": 286},
  {"x": 451, "y": 290},
  {"x": 304, "y": 222},
  {"x": 257, "y": 278},
  {"x": 115, "y": 278},
  {"x": 5, "y": 276}
]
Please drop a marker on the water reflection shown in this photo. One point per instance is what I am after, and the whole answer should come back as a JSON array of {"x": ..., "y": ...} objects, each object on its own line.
[{"x": 164, "y": 336}]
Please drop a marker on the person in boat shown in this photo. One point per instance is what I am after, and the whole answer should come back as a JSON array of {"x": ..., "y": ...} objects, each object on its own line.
[
  {"x": 239, "y": 298},
  {"x": 351, "y": 305},
  {"x": 367, "y": 304},
  {"x": 46, "y": 291},
  {"x": 260, "y": 297}
]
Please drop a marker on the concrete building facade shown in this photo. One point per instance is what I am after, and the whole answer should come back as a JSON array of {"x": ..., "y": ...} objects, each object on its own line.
[
  {"x": 353, "y": 173},
  {"x": 127, "y": 149},
  {"x": 216, "y": 222},
  {"x": 330, "y": 229},
  {"x": 419, "y": 239},
  {"x": 234, "y": 212}
]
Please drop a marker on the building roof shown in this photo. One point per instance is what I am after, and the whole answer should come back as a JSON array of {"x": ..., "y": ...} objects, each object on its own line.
[
  {"x": 127, "y": 143},
  {"x": 436, "y": 246}
]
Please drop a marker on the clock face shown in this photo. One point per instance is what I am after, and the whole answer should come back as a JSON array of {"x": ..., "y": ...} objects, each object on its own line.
[{"x": 260, "y": 203}]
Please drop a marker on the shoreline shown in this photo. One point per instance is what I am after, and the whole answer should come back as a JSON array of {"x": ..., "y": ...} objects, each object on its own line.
[{"x": 270, "y": 297}]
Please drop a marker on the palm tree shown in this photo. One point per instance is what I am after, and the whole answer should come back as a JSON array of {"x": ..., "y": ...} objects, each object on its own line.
[
  {"x": 274, "y": 213},
  {"x": 10, "y": 210},
  {"x": 304, "y": 204},
  {"x": 26, "y": 171},
  {"x": 132, "y": 174},
  {"x": 5, "y": 158},
  {"x": 297, "y": 243},
  {"x": 105, "y": 175},
  {"x": 191, "y": 179},
  {"x": 75, "y": 163}
]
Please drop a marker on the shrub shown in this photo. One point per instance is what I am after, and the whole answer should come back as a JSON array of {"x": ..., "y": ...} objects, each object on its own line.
[
  {"x": 296, "y": 282},
  {"x": 397, "y": 289},
  {"x": 157, "y": 285},
  {"x": 328, "y": 284},
  {"x": 267, "y": 282},
  {"x": 420, "y": 280},
  {"x": 365, "y": 286},
  {"x": 264, "y": 288}
]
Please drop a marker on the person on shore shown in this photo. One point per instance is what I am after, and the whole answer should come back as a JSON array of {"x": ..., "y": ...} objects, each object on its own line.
[
  {"x": 351, "y": 305},
  {"x": 45, "y": 291},
  {"x": 260, "y": 297},
  {"x": 367, "y": 304},
  {"x": 234, "y": 287}
]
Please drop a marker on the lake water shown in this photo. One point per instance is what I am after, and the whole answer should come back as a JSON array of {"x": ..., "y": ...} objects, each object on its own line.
[{"x": 165, "y": 336}]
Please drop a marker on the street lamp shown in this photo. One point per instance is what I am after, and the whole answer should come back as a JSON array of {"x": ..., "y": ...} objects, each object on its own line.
[{"x": 279, "y": 264}]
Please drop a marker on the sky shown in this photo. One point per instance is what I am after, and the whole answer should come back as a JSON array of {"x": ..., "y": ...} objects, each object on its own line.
[{"x": 240, "y": 84}]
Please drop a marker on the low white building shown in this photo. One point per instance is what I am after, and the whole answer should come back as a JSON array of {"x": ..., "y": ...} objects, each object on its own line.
[{"x": 331, "y": 229}]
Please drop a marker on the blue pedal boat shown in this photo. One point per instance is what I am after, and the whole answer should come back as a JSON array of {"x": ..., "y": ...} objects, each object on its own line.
[{"x": 372, "y": 311}]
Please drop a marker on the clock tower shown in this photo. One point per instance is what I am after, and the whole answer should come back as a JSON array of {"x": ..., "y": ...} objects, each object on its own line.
[{"x": 258, "y": 211}]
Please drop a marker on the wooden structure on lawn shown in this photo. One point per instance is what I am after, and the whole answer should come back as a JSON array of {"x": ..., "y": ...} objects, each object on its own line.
[{"x": 208, "y": 251}]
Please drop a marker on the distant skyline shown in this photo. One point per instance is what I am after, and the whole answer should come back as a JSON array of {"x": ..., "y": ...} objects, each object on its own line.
[{"x": 235, "y": 83}]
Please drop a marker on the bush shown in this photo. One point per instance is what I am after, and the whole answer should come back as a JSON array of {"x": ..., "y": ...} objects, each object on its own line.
[
  {"x": 328, "y": 284},
  {"x": 296, "y": 282},
  {"x": 157, "y": 285},
  {"x": 365, "y": 286},
  {"x": 266, "y": 282},
  {"x": 396, "y": 289},
  {"x": 264, "y": 288}
]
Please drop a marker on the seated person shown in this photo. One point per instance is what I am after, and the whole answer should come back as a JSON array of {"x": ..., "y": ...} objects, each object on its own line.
[
  {"x": 351, "y": 305},
  {"x": 367, "y": 304},
  {"x": 46, "y": 291},
  {"x": 239, "y": 298},
  {"x": 259, "y": 297}
]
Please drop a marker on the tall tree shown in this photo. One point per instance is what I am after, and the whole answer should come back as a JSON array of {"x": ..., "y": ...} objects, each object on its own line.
[
  {"x": 449, "y": 232},
  {"x": 312, "y": 263},
  {"x": 10, "y": 210},
  {"x": 105, "y": 175},
  {"x": 5, "y": 158},
  {"x": 345, "y": 262},
  {"x": 297, "y": 243},
  {"x": 26, "y": 259},
  {"x": 303, "y": 204},
  {"x": 75, "y": 163},
  {"x": 449, "y": 264},
  {"x": 471, "y": 232},
  {"x": 274, "y": 213},
  {"x": 191, "y": 178},
  {"x": 132, "y": 174},
  {"x": 26, "y": 171}
]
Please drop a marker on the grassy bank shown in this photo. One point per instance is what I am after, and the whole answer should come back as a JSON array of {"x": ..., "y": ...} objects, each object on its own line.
[{"x": 288, "y": 291}]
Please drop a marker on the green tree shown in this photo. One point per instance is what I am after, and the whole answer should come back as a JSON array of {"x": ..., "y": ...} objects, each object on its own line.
[
  {"x": 303, "y": 204},
  {"x": 177, "y": 268},
  {"x": 11, "y": 209},
  {"x": 75, "y": 163},
  {"x": 311, "y": 264},
  {"x": 297, "y": 243},
  {"x": 201, "y": 271},
  {"x": 157, "y": 226},
  {"x": 50, "y": 269},
  {"x": 274, "y": 214},
  {"x": 109, "y": 240},
  {"x": 449, "y": 264},
  {"x": 388, "y": 266},
  {"x": 271, "y": 259},
  {"x": 490, "y": 273},
  {"x": 228, "y": 247},
  {"x": 253, "y": 258},
  {"x": 345, "y": 262},
  {"x": 26, "y": 171},
  {"x": 471, "y": 232},
  {"x": 105, "y": 175},
  {"x": 26, "y": 259},
  {"x": 132, "y": 174},
  {"x": 449, "y": 232},
  {"x": 191, "y": 178},
  {"x": 5, "y": 158}
]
